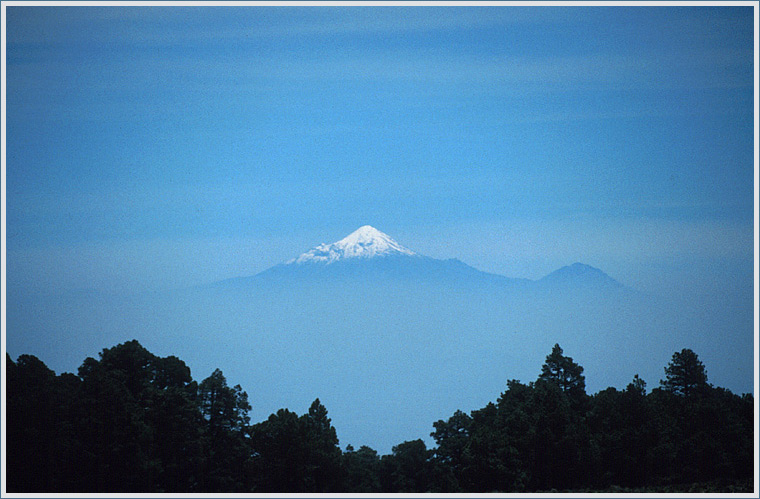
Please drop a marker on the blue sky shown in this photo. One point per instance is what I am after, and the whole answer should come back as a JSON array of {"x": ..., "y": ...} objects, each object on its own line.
[{"x": 153, "y": 147}]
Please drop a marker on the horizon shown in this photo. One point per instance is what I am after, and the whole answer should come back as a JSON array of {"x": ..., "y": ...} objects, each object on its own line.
[{"x": 368, "y": 231}]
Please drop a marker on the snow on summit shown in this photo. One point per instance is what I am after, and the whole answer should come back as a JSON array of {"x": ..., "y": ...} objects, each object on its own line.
[{"x": 364, "y": 242}]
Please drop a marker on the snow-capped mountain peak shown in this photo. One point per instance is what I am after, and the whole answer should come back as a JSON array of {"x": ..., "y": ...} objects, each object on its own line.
[{"x": 364, "y": 242}]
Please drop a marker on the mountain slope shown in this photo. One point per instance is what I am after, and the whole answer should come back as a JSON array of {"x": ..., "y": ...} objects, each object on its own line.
[
  {"x": 365, "y": 242},
  {"x": 579, "y": 274},
  {"x": 368, "y": 256}
]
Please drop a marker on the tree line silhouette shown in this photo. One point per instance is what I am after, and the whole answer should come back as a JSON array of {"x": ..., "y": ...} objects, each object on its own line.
[{"x": 135, "y": 422}]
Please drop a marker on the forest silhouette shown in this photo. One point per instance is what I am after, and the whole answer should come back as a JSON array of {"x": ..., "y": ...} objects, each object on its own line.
[{"x": 135, "y": 422}]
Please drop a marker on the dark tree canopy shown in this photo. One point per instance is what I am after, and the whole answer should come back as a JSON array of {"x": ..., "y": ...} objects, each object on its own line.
[
  {"x": 685, "y": 374},
  {"x": 561, "y": 370},
  {"x": 407, "y": 469},
  {"x": 297, "y": 453},
  {"x": 324, "y": 454},
  {"x": 222, "y": 406},
  {"x": 131, "y": 421},
  {"x": 361, "y": 470}
]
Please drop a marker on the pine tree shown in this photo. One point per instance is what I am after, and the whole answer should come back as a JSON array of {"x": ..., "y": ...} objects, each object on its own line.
[{"x": 685, "y": 375}]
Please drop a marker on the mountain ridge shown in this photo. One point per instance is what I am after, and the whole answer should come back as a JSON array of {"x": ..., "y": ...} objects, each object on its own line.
[
  {"x": 365, "y": 242},
  {"x": 579, "y": 274},
  {"x": 368, "y": 254}
]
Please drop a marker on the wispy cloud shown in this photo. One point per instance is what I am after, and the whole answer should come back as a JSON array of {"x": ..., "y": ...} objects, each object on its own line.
[
  {"x": 405, "y": 20},
  {"x": 141, "y": 26},
  {"x": 155, "y": 44},
  {"x": 717, "y": 69}
]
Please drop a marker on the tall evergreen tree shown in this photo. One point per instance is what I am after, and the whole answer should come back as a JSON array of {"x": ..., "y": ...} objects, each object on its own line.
[
  {"x": 280, "y": 453},
  {"x": 561, "y": 370},
  {"x": 452, "y": 454},
  {"x": 361, "y": 470},
  {"x": 407, "y": 469},
  {"x": 226, "y": 445},
  {"x": 685, "y": 374},
  {"x": 324, "y": 454},
  {"x": 117, "y": 438}
]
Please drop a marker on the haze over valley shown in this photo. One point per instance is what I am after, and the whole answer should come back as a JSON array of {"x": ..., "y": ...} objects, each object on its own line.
[{"x": 368, "y": 326}]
